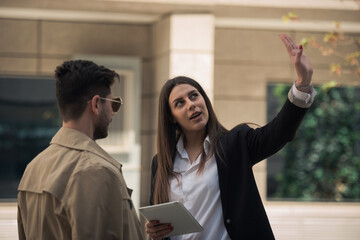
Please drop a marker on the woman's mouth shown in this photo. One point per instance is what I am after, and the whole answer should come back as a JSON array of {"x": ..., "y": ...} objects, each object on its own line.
[{"x": 195, "y": 115}]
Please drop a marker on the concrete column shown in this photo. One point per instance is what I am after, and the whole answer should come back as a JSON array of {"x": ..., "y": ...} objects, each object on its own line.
[
  {"x": 184, "y": 45},
  {"x": 192, "y": 48}
]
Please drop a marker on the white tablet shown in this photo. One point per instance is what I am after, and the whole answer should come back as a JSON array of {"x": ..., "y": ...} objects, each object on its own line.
[{"x": 174, "y": 213}]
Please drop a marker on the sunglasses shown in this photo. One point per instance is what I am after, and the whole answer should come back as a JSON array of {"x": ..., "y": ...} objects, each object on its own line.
[{"x": 116, "y": 103}]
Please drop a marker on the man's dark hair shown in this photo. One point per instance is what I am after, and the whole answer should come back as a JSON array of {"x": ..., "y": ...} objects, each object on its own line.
[{"x": 77, "y": 82}]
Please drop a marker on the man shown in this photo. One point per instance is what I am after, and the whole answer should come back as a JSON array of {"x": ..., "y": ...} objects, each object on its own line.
[{"x": 74, "y": 189}]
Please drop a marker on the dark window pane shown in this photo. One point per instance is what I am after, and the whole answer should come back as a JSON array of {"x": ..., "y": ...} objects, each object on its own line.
[
  {"x": 322, "y": 163},
  {"x": 28, "y": 120}
]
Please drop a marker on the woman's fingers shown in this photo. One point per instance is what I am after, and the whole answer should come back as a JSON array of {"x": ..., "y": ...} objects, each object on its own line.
[
  {"x": 157, "y": 230},
  {"x": 291, "y": 47},
  {"x": 289, "y": 41},
  {"x": 298, "y": 54},
  {"x": 301, "y": 63},
  {"x": 152, "y": 223},
  {"x": 288, "y": 45},
  {"x": 161, "y": 233}
]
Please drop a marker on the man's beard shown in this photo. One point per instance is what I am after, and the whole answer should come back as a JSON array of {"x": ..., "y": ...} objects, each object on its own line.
[{"x": 101, "y": 128}]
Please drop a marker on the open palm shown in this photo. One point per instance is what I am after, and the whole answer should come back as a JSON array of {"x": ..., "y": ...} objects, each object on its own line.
[{"x": 300, "y": 61}]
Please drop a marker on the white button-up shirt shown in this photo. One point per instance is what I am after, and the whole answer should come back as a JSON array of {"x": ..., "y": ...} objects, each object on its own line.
[{"x": 200, "y": 193}]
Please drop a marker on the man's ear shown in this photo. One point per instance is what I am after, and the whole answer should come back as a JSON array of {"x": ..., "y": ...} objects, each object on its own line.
[{"x": 95, "y": 104}]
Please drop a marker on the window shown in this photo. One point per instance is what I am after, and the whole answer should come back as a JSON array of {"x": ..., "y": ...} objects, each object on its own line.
[
  {"x": 322, "y": 163},
  {"x": 123, "y": 141},
  {"x": 122, "y": 131},
  {"x": 28, "y": 120}
]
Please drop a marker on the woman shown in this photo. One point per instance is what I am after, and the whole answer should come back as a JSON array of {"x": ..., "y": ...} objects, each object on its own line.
[{"x": 208, "y": 168}]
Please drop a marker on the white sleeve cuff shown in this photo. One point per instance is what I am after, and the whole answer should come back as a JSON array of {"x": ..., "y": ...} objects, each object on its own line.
[{"x": 300, "y": 98}]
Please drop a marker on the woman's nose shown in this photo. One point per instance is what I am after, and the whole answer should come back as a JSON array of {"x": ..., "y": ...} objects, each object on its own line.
[{"x": 191, "y": 105}]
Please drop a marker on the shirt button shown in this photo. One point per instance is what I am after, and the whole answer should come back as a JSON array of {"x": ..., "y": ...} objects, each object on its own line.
[{"x": 228, "y": 221}]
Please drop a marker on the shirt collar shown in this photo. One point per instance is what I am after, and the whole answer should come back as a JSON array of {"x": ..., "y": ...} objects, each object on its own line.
[
  {"x": 75, "y": 139},
  {"x": 180, "y": 147},
  {"x": 182, "y": 151}
]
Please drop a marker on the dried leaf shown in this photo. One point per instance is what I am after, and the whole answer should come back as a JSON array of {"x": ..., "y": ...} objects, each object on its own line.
[
  {"x": 290, "y": 16},
  {"x": 351, "y": 58},
  {"x": 337, "y": 25},
  {"x": 285, "y": 19},
  {"x": 326, "y": 51},
  {"x": 304, "y": 41},
  {"x": 333, "y": 37},
  {"x": 335, "y": 68},
  {"x": 314, "y": 44}
]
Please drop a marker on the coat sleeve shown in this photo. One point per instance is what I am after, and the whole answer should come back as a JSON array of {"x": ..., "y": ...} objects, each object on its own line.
[
  {"x": 21, "y": 231},
  {"x": 98, "y": 207}
]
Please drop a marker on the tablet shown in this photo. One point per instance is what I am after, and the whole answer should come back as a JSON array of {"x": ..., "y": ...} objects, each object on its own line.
[{"x": 174, "y": 213}]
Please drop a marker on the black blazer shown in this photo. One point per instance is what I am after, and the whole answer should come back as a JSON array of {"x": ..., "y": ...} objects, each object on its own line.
[{"x": 239, "y": 150}]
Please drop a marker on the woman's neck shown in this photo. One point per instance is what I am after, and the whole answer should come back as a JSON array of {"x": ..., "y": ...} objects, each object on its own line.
[{"x": 193, "y": 143}]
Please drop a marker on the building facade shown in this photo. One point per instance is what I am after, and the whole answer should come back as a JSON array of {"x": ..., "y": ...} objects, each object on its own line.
[{"x": 231, "y": 47}]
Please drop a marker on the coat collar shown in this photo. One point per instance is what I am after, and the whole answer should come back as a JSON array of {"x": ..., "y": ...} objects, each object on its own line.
[{"x": 75, "y": 139}]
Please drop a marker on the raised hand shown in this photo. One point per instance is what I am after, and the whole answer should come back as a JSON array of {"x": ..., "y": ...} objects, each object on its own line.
[{"x": 300, "y": 61}]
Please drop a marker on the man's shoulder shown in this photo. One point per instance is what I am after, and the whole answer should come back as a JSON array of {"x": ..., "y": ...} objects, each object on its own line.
[
  {"x": 53, "y": 168},
  {"x": 90, "y": 162},
  {"x": 83, "y": 162}
]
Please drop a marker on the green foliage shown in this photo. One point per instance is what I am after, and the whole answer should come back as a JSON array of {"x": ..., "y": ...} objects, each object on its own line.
[{"x": 323, "y": 161}]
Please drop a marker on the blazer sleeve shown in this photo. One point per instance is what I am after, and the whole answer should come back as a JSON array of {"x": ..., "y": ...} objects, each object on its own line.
[{"x": 267, "y": 140}]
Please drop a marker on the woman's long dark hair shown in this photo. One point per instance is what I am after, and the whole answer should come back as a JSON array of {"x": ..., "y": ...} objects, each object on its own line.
[{"x": 168, "y": 134}]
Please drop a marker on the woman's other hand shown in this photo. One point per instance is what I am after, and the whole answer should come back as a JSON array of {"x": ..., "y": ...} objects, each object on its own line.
[{"x": 157, "y": 230}]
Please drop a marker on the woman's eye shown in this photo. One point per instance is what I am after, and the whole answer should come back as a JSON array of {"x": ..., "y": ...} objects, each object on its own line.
[
  {"x": 194, "y": 95},
  {"x": 178, "y": 103}
]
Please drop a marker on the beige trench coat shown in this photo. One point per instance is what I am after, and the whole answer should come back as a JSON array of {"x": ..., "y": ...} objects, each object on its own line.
[{"x": 75, "y": 190}]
